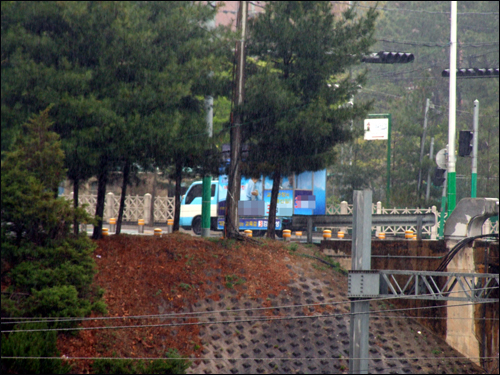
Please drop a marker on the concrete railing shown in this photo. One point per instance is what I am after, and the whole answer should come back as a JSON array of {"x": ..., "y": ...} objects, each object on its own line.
[
  {"x": 136, "y": 207},
  {"x": 139, "y": 207}
]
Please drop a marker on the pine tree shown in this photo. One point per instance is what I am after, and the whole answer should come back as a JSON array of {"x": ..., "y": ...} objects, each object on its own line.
[{"x": 298, "y": 87}]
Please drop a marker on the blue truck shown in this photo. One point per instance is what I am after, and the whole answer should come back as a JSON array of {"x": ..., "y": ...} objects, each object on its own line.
[{"x": 299, "y": 194}]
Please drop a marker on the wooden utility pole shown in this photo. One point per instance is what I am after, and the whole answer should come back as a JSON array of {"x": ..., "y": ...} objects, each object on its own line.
[{"x": 233, "y": 191}]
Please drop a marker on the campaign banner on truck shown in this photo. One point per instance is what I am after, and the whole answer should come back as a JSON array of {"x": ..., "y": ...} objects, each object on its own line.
[{"x": 250, "y": 223}]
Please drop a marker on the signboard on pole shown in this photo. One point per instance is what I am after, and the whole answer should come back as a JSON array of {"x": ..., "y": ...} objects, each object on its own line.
[{"x": 376, "y": 129}]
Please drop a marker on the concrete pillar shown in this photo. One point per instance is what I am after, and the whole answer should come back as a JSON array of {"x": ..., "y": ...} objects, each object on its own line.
[
  {"x": 147, "y": 209},
  {"x": 109, "y": 206},
  {"x": 460, "y": 330},
  {"x": 344, "y": 210},
  {"x": 435, "y": 228},
  {"x": 378, "y": 229}
]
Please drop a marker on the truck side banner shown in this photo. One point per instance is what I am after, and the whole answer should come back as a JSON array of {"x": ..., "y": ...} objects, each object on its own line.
[{"x": 303, "y": 194}]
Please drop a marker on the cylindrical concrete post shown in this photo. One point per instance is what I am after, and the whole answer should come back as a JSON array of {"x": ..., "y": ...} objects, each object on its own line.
[
  {"x": 408, "y": 234},
  {"x": 298, "y": 234},
  {"x": 112, "y": 224},
  {"x": 327, "y": 234},
  {"x": 109, "y": 206},
  {"x": 248, "y": 233},
  {"x": 287, "y": 234},
  {"x": 157, "y": 232},
  {"x": 340, "y": 234},
  {"x": 140, "y": 224},
  {"x": 170, "y": 225},
  {"x": 381, "y": 236},
  {"x": 105, "y": 231}
]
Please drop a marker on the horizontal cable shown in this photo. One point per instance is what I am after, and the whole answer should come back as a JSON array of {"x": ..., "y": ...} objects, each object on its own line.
[{"x": 251, "y": 320}]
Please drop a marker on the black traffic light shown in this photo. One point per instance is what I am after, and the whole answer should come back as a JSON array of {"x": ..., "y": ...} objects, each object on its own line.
[
  {"x": 384, "y": 57},
  {"x": 439, "y": 176},
  {"x": 465, "y": 143},
  {"x": 473, "y": 73}
]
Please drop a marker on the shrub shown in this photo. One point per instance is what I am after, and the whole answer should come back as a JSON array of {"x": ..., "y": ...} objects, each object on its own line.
[{"x": 31, "y": 344}]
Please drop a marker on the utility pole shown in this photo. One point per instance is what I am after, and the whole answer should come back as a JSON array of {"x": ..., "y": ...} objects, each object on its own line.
[
  {"x": 473, "y": 183},
  {"x": 431, "y": 155},
  {"x": 207, "y": 179},
  {"x": 422, "y": 145},
  {"x": 231, "y": 222},
  {"x": 451, "y": 171},
  {"x": 361, "y": 261}
]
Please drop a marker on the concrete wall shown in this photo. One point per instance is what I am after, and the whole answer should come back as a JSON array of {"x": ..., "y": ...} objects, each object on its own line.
[{"x": 464, "y": 329}]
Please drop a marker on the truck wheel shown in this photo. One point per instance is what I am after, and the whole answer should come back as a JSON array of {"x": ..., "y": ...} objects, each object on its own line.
[{"x": 196, "y": 225}]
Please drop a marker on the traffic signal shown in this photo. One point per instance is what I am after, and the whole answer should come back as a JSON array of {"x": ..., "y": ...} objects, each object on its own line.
[
  {"x": 473, "y": 73},
  {"x": 465, "y": 143},
  {"x": 439, "y": 176},
  {"x": 383, "y": 57}
]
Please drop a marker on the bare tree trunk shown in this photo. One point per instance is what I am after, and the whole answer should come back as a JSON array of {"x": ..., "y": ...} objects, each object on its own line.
[
  {"x": 76, "y": 188},
  {"x": 102, "y": 180},
  {"x": 271, "y": 224},
  {"x": 126, "y": 175},
  {"x": 177, "y": 204}
]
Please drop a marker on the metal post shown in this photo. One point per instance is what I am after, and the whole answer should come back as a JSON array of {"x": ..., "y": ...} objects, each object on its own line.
[
  {"x": 452, "y": 188},
  {"x": 207, "y": 180},
  {"x": 431, "y": 155},
  {"x": 388, "y": 198},
  {"x": 422, "y": 145},
  {"x": 443, "y": 208},
  {"x": 361, "y": 260},
  {"x": 475, "y": 136}
]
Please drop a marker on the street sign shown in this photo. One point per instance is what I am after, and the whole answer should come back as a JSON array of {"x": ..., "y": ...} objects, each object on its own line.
[
  {"x": 376, "y": 129},
  {"x": 442, "y": 158}
]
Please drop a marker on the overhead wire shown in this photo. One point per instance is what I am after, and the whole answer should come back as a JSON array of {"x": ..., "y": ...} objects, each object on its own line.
[{"x": 238, "y": 319}]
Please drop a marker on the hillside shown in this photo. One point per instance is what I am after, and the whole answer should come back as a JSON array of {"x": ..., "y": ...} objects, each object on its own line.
[{"x": 232, "y": 281}]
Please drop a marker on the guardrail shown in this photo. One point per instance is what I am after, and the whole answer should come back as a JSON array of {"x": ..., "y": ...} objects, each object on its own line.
[{"x": 415, "y": 220}]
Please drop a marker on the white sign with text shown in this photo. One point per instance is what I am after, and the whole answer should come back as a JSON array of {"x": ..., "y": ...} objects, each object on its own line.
[{"x": 376, "y": 129}]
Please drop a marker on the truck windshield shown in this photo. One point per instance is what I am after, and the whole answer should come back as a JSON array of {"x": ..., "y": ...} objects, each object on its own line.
[{"x": 197, "y": 191}]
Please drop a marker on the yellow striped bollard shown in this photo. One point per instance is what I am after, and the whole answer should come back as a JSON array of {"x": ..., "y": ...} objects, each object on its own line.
[
  {"x": 140, "y": 224},
  {"x": 340, "y": 234},
  {"x": 105, "y": 232},
  {"x": 170, "y": 225},
  {"x": 327, "y": 234},
  {"x": 248, "y": 233},
  {"x": 408, "y": 234},
  {"x": 287, "y": 234},
  {"x": 381, "y": 236},
  {"x": 157, "y": 232}
]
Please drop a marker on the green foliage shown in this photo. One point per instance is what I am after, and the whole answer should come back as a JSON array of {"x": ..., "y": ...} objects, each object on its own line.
[
  {"x": 47, "y": 270},
  {"x": 173, "y": 365},
  {"x": 402, "y": 89},
  {"x": 31, "y": 344}
]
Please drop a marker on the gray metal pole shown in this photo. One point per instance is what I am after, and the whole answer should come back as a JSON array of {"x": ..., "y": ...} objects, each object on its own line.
[
  {"x": 431, "y": 155},
  {"x": 422, "y": 145},
  {"x": 361, "y": 260},
  {"x": 475, "y": 139}
]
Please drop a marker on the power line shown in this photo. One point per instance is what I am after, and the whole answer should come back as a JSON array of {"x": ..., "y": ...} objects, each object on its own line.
[{"x": 261, "y": 318}]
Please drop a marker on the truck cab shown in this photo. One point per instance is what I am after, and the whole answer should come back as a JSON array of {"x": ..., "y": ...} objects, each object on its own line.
[{"x": 190, "y": 217}]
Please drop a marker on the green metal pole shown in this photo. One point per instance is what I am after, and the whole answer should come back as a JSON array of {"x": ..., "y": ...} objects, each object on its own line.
[
  {"x": 388, "y": 194},
  {"x": 205, "y": 206},
  {"x": 452, "y": 191}
]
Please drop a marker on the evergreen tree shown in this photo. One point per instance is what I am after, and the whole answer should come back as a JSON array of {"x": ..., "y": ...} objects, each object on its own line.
[
  {"x": 298, "y": 87},
  {"x": 47, "y": 271}
]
